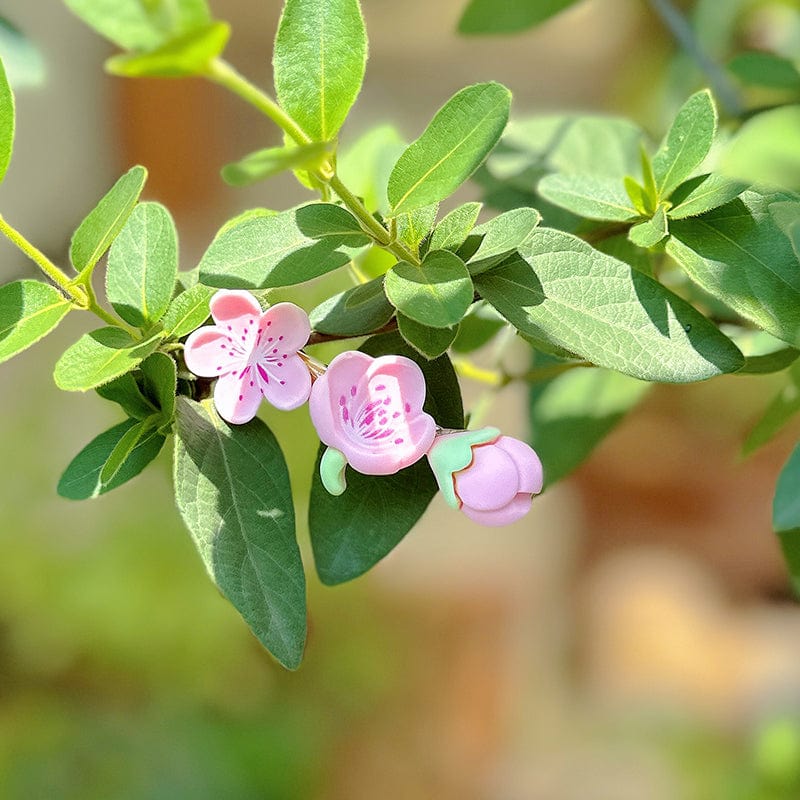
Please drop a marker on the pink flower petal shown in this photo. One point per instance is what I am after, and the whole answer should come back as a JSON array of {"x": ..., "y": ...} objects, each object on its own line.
[
  {"x": 408, "y": 376},
  {"x": 529, "y": 467},
  {"x": 289, "y": 384},
  {"x": 287, "y": 324},
  {"x": 237, "y": 397},
  {"x": 228, "y": 305},
  {"x": 516, "y": 509},
  {"x": 490, "y": 481},
  {"x": 207, "y": 353}
]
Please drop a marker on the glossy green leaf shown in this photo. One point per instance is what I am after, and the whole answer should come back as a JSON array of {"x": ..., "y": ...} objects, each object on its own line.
[
  {"x": 510, "y": 16},
  {"x": 481, "y": 324},
  {"x": 104, "y": 222},
  {"x": 81, "y": 479},
  {"x": 352, "y": 532},
  {"x": 22, "y": 59},
  {"x": 319, "y": 60},
  {"x": 283, "y": 249},
  {"x": 160, "y": 383},
  {"x": 29, "y": 310},
  {"x": 100, "y": 356},
  {"x": 437, "y": 293},
  {"x": 7, "y": 122},
  {"x": 188, "y": 311},
  {"x": 125, "y": 391},
  {"x": 786, "y": 514},
  {"x": 686, "y": 144},
  {"x": 143, "y": 265},
  {"x": 453, "y": 228},
  {"x": 703, "y": 193},
  {"x": 589, "y": 196},
  {"x": 274, "y": 160},
  {"x": 232, "y": 490},
  {"x": 457, "y": 140},
  {"x": 501, "y": 236},
  {"x": 650, "y": 232},
  {"x": 765, "y": 69},
  {"x": 563, "y": 291},
  {"x": 413, "y": 227},
  {"x": 739, "y": 255},
  {"x": 360, "y": 310},
  {"x": 428, "y": 342}
]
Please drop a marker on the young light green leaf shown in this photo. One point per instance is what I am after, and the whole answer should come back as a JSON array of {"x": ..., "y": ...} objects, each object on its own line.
[
  {"x": 478, "y": 327},
  {"x": 22, "y": 59},
  {"x": 765, "y": 69},
  {"x": 283, "y": 249},
  {"x": 650, "y": 192},
  {"x": 124, "y": 449},
  {"x": 274, "y": 160},
  {"x": 143, "y": 265},
  {"x": 455, "y": 143},
  {"x": 636, "y": 194},
  {"x": 453, "y": 228},
  {"x": 703, "y": 193},
  {"x": 160, "y": 383},
  {"x": 437, "y": 293},
  {"x": 104, "y": 222},
  {"x": 501, "y": 236},
  {"x": 232, "y": 490},
  {"x": 360, "y": 310},
  {"x": 563, "y": 291},
  {"x": 7, "y": 122},
  {"x": 739, "y": 255},
  {"x": 352, "y": 532},
  {"x": 413, "y": 227},
  {"x": 650, "y": 232},
  {"x": 686, "y": 144},
  {"x": 125, "y": 391},
  {"x": 428, "y": 342},
  {"x": 29, "y": 310},
  {"x": 777, "y": 414},
  {"x": 189, "y": 310},
  {"x": 589, "y": 196},
  {"x": 81, "y": 479},
  {"x": 786, "y": 514},
  {"x": 510, "y": 16},
  {"x": 319, "y": 60},
  {"x": 100, "y": 356}
]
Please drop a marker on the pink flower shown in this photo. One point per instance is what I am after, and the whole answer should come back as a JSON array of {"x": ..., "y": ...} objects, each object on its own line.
[
  {"x": 253, "y": 353},
  {"x": 491, "y": 478},
  {"x": 369, "y": 411}
]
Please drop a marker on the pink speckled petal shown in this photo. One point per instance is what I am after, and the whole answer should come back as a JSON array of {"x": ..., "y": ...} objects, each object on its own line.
[
  {"x": 207, "y": 353},
  {"x": 408, "y": 375},
  {"x": 237, "y": 397},
  {"x": 289, "y": 385},
  {"x": 232, "y": 304},
  {"x": 515, "y": 510},
  {"x": 490, "y": 481},
  {"x": 286, "y": 323},
  {"x": 529, "y": 467}
]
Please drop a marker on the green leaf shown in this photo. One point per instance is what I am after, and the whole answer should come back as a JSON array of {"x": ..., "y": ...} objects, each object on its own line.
[
  {"x": 501, "y": 236},
  {"x": 455, "y": 143},
  {"x": 125, "y": 391},
  {"x": 739, "y": 255},
  {"x": 437, "y": 293},
  {"x": 580, "y": 300},
  {"x": 481, "y": 324},
  {"x": 7, "y": 119},
  {"x": 104, "y": 222},
  {"x": 274, "y": 160},
  {"x": 180, "y": 57},
  {"x": 281, "y": 249},
  {"x": 413, "y": 227},
  {"x": 352, "y": 532},
  {"x": 589, "y": 196},
  {"x": 360, "y": 310},
  {"x": 650, "y": 194},
  {"x": 124, "y": 449},
  {"x": 454, "y": 228},
  {"x": 786, "y": 214},
  {"x": 766, "y": 149},
  {"x": 160, "y": 383},
  {"x": 143, "y": 265},
  {"x": 777, "y": 414},
  {"x": 100, "y": 356},
  {"x": 637, "y": 194},
  {"x": 620, "y": 247},
  {"x": 786, "y": 514},
  {"x": 232, "y": 490},
  {"x": 188, "y": 311},
  {"x": 703, "y": 193},
  {"x": 319, "y": 60},
  {"x": 81, "y": 479},
  {"x": 650, "y": 232},
  {"x": 573, "y": 412},
  {"x": 510, "y": 16},
  {"x": 22, "y": 59},
  {"x": 686, "y": 144},
  {"x": 765, "y": 69},
  {"x": 29, "y": 310},
  {"x": 428, "y": 342}
]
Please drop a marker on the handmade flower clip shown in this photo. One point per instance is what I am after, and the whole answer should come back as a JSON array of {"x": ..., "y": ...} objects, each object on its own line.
[{"x": 252, "y": 353}]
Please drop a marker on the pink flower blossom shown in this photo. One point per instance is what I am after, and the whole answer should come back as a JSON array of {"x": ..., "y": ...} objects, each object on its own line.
[
  {"x": 370, "y": 409},
  {"x": 491, "y": 478},
  {"x": 252, "y": 353}
]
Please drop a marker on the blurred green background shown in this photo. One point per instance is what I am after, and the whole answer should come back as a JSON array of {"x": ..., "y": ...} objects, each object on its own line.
[{"x": 633, "y": 637}]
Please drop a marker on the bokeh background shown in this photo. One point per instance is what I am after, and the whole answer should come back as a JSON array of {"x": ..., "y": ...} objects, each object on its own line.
[{"x": 633, "y": 637}]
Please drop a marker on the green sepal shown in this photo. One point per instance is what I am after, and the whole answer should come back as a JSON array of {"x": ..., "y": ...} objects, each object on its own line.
[{"x": 332, "y": 468}]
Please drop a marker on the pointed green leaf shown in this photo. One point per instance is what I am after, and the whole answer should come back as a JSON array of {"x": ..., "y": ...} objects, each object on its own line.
[
  {"x": 81, "y": 479},
  {"x": 125, "y": 391},
  {"x": 510, "y": 16},
  {"x": 686, "y": 144},
  {"x": 160, "y": 383},
  {"x": 765, "y": 69},
  {"x": 786, "y": 214},
  {"x": 650, "y": 232},
  {"x": 124, "y": 449},
  {"x": 739, "y": 255},
  {"x": 360, "y": 310},
  {"x": 29, "y": 310},
  {"x": 188, "y": 311},
  {"x": 274, "y": 160},
  {"x": 455, "y": 143},
  {"x": 413, "y": 227},
  {"x": 104, "y": 222},
  {"x": 428, "y": 342},
  {"x": 143, "y": 265},
  {"x": 352, "y": 532},
  {"x": 636, "y": 194},
  {"x": 319, "y": 60},
  {"x": 7, "y": 120},
  {"x": 501, "y": 236},
  {"x": 100, "y": 356},
  {"x": 703, "y": 193},
  {"x": 589, "y": 196},
  {"x": 650, "y": 192},
  {"x": 232, "y": 490},
  {"x": 777, "y": 414},
  {"x": 453, "y": 229},
  {"x": 563, "y": 291},
  {"x": 437, "y": 293},
  {"x": 786, "y": 514}
]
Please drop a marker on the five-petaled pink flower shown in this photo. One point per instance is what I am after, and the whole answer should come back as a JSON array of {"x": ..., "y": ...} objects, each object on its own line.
[
  {"x": 370, "y": 410},
  {"x": 253, "y": 353}
]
